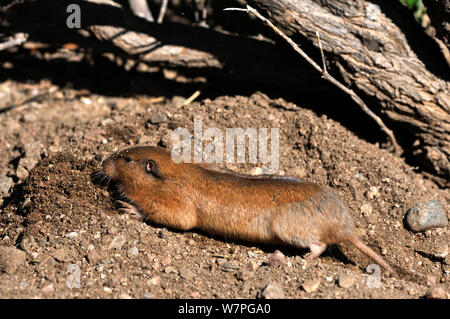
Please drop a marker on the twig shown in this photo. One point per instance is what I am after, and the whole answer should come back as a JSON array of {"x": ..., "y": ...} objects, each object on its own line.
[
  {"x": 191, "y": 98},
  {"x": 141, "y": 9},
  {"x": 162, "y": 11},
  {"x": 324, "y": 64},
  {"x": 14, "y": 40},
  {"x": 13, "y": 3},
  {"x": 325, "y": 74}
]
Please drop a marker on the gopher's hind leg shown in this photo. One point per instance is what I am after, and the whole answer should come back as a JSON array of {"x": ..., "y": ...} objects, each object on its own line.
[{"x": 317, "y": 248}]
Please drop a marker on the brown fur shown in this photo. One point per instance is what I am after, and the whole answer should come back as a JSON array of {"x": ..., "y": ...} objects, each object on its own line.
[{"x": 267, "y": 209}]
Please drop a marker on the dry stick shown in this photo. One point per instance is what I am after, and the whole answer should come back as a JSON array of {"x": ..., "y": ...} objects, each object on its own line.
[
  {"x": 162, "y": 11},
  {"x": 191, "y": 98},
  {"x": 325, "y": 74},
  {"x": 324, "y": 68},
  {"x": 14, "y": 40},
  {"x": 13, "y": 3},
  {"x": 141, "y": 9}
]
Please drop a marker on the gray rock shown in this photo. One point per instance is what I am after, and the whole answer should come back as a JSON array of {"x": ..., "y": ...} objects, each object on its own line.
[
  {"x": 133, "y": 251},
  {"x": 311, "y": 285},
  {"x": 10, "y": 259},
  {"x": 21, "y": 172},
  {"x": 170, "y": 270},
  {"x": 93, "y": 257},
  {"x": 345, "y": 281},
  {"x": 277, "y": 259},
  {"x": 28, "y": 162},
  {"x": 436, "y": 292},
  {"x": 158, "y": 118},
  {"x": 33, "y": 149},
  {"x": 272, "y": 291},
  {"x": 227, "y": 266},
  {"x": 62, "y": 254},
  {"x": 427, "y": 215},
  {"x": 148, "y": 295},
  {"x": 117, "y": 242},
  {"x": 186, "y": 274},
  {"x": 244, "y": 275},
  {"x": 6, "y": 184}
]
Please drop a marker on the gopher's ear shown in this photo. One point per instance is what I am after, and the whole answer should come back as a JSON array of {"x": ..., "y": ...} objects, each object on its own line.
[{"x": 152, "y": 168}]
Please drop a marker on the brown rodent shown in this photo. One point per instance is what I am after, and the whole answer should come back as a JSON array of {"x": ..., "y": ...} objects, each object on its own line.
[{"x": 266, "y": 209}]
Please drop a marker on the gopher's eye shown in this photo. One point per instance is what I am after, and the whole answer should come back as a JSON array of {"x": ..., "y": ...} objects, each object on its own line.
[{"x": 128, "y": 159}]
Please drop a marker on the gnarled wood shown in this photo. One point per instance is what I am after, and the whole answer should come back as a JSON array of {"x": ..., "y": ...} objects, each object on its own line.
[{"x": 374, "y": 55}]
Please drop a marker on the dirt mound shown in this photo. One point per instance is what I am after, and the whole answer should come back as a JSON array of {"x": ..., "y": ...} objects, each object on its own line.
[{"x": 70, "y": 227}]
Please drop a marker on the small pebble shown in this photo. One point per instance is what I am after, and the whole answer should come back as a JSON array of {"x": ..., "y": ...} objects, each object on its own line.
[
  {"x": 10, "y": 259},
  {"x": 250, "y": 254},
  {"x": 345, "y": 281},
  {"x": 33, "y": 149},
  {"x": 86, "y": 101},
  {"x": 154, "y": 281},
  {"x": 117, "y": 242},
  {"x": 431, "y": 281},
  {"x": 311, "y": 285},
  {"x": 195, "y": 295},
  {"x": 186, "y": 274},
  {"x": 107, "y": 290},
  {"x": 440, "y": 251},
  {"x": 71, "y": 235},
  {"x": 158, "y": 118},
  {"x": 48, "y": 289},
  {"x": 227, "y": 266},
  {"x": 6, "y": 184},
  {"x": 21, "y": 172},
  {"x": 93, "y": 257},
  {"x": 427, "y": 215},
  {"x": 133, "y": 252},
  {"x": 272, "y": 291},
  {"x": 125, "y": 296},
  {"x": 244, "y": 275},
  {"x": 372, "y": 193},
  {"x": 436, "y": 292},
  {"x": 166, "y": 261},
  {"x": 253, "y": 265},
  {"x": 170, "y": 270},
  {"x": 178, "y": 257},
  {"x": 277, "y": 259},
  {"x": 149, "y": 295},
  {"x": 61, "y": 254},
  {"x": 366, "y": 209}
]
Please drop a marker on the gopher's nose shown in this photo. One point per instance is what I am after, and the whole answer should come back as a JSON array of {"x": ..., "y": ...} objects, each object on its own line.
[{"x": 109, "y": 167}]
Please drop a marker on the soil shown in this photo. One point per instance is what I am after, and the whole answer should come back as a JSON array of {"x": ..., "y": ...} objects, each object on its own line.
[{"x": 56, "y": 136}]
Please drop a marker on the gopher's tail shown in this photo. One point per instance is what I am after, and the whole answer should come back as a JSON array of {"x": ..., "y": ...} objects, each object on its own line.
[{"x": 355, "y": 240}]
